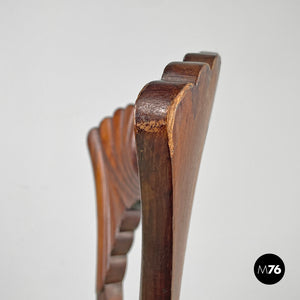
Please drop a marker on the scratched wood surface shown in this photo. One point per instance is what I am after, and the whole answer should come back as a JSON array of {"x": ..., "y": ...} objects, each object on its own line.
[{"x": 152, "y": 152}]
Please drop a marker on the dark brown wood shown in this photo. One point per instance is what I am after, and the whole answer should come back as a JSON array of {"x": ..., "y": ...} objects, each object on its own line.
[
  {"x": 170, "y": 124},
  {"x": 171, "y": 121}
]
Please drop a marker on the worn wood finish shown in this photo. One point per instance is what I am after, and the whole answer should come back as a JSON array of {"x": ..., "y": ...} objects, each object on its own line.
[
  {"x": 171, "y": 121},
  {"x": 113, "y": 154},
  {"x": 170, "y": 125}
]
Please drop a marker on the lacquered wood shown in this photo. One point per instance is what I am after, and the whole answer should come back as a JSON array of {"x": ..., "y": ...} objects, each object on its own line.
[
  {"x": 153, "y": 155},
  {"x": 113, "y": 154},
  {"x": 171, "y": 121}
]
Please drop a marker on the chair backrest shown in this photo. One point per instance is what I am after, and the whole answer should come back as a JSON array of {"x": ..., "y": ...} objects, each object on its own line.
[{"x": 151, "y": 153}]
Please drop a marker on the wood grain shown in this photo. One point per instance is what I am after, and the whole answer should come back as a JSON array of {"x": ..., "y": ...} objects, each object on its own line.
[
  {"x": 152, "y": 152},
  {"x": 171, "y": 122},
  {"x": 113, "y": 154}
]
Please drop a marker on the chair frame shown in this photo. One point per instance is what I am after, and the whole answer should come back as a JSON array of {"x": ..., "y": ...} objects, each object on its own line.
[{"x": 151, "y": 153}]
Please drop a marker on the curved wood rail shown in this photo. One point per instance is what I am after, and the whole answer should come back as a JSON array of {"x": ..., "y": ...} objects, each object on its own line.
[
  {"x": 171, "y": 122},
  {"x": 113, "y": 154},
  {"x": 152, "y": 152}
]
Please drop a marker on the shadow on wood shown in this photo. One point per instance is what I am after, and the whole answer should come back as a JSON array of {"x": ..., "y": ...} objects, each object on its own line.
[{"x": 152, "y": 151}]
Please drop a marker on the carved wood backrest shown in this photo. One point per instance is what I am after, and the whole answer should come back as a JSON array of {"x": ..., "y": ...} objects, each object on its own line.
[{"x": 151, "y": 152}]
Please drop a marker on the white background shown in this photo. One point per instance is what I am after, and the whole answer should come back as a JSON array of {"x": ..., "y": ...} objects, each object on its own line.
[{"x": 64, "y": 65}]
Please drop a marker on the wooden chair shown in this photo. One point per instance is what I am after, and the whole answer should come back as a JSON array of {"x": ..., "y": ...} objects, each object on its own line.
[{"x": 151, "y": 153}]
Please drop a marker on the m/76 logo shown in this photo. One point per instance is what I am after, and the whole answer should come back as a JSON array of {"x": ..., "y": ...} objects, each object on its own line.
[
  {"x": 272, "y": 268},
  {"x": 269, "y": 268}
]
